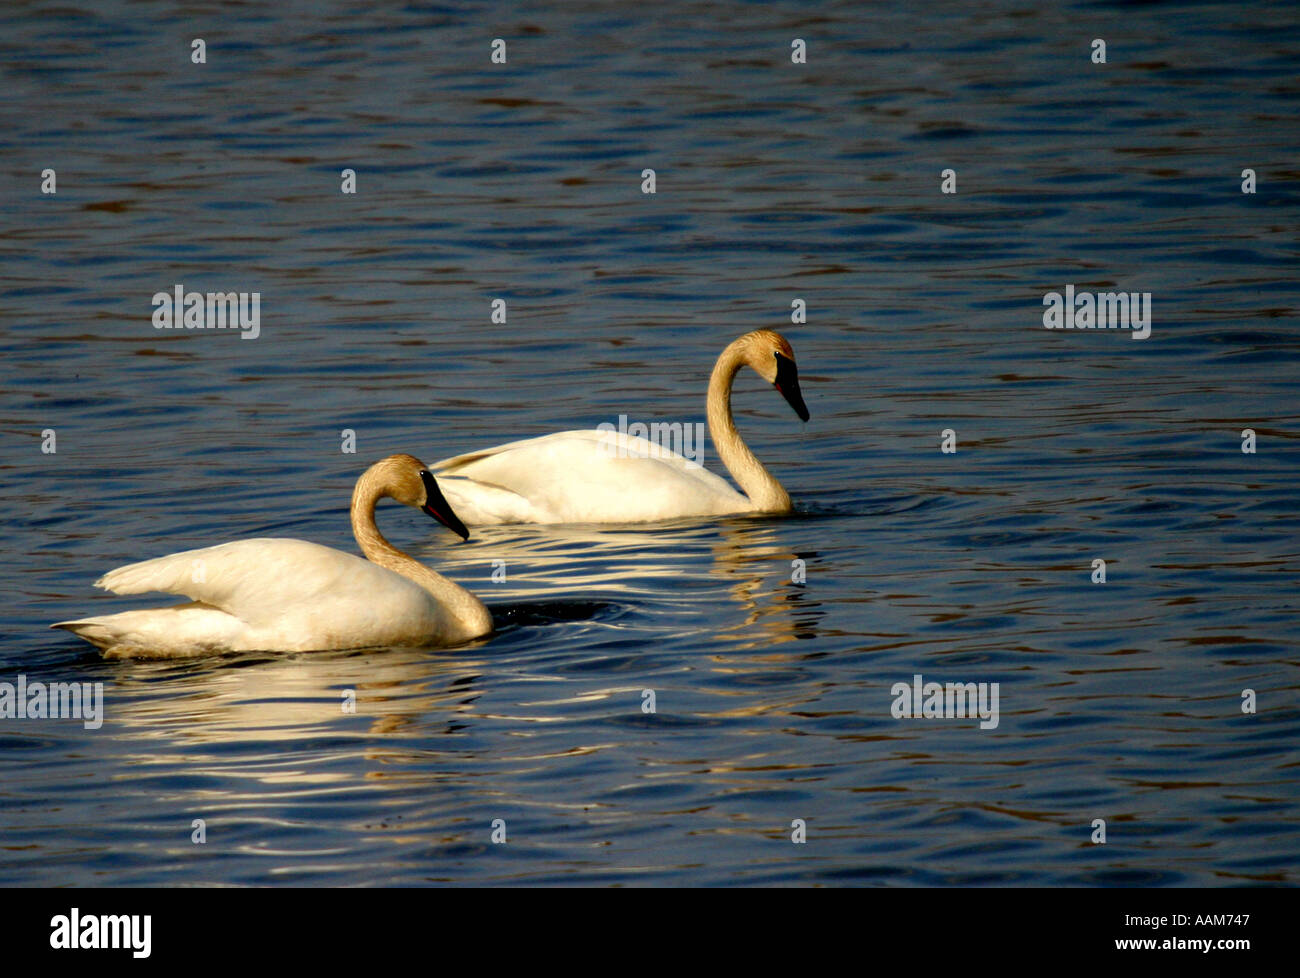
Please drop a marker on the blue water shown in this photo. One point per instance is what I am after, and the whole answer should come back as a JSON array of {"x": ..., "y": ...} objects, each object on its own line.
[{"x": 775, "y": 181}]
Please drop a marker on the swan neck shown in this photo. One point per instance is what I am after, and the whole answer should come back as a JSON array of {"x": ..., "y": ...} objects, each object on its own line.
[
  {"x": 764, "y": 491},
  {"x": 466, "y": 609}
]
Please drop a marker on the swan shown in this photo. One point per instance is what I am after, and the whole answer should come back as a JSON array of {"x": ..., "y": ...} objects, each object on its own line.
[
  {"x": 610, "y": 477},
  {"x": 294, "y": 596}
]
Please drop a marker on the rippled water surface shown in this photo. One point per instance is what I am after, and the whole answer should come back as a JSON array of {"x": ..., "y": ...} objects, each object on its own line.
[{"x": 478, "y": 181}]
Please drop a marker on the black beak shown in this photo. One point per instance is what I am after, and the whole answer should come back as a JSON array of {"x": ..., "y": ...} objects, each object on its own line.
[
  {"x": 787, "y": 382},
  {"x": 436, "y": 505}
]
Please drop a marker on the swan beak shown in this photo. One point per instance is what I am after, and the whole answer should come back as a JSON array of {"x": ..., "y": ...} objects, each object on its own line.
[
  {"x": 436, "y": 505},
  {"x": 787, "y": 382}
]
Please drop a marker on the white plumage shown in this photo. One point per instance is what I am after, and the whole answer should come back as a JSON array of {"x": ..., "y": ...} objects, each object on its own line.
[
  {"x": 295, "y": 596},
  {"x": 609, "y": 477},
  {"x": 621, "y": 480}
]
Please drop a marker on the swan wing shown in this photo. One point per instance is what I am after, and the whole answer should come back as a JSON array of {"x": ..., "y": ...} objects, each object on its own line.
[
  {"x": 582, "y": 477},
  {"x": 258, "y": 581}
]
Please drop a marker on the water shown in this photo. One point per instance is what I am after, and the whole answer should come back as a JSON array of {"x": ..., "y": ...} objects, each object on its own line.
[{"x": 775, "y": 181}]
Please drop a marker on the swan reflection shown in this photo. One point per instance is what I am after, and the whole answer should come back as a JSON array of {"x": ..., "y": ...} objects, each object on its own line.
[{"x": 728, "y": 581}]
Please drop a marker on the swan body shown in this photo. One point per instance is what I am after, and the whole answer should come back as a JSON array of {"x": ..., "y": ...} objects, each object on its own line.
[
  {"x": 606, "y": 476},
  {"x": 490, "y": 487},
  {"x": 287, "y": 595}
]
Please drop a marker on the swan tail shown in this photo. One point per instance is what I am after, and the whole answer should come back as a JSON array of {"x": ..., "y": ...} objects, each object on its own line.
[
  {"x": 92, "y": 630},
  {"x": 158, "y": 633}
]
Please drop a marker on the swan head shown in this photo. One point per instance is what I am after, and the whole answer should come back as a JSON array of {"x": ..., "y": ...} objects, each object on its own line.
[
  {"x": 772, "y": 358},
  {"x": 406, "y": 479}
]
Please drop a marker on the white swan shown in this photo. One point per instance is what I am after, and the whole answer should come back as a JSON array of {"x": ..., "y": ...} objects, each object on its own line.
[
  {"x": 610, "y": 477},
  {"x": 294, "y": 596}
]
